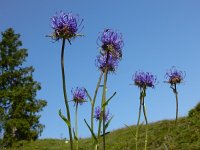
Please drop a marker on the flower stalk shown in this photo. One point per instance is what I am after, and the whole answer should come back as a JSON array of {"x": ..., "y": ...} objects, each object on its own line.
[
  {"x": 138, "y": 123},
  {"x": 104, "y": 100},
  {"x": 175, "y": 77},
  {"x": 107, "y": 61},
  {"x": 143, "y": 80},
  {"x": 93, "y": 105},
  {"x": 102, "y": 115},
  {"x": 174, "y": 88},
  {"x": 76, "y": 125},
  {"x": 176, "y": 95},
  {"x": 65, "y": 26},
  {"x": 65, "y": 94},
  {"x": 145, "y": 116},
  {"x": 93, "y": 101}
]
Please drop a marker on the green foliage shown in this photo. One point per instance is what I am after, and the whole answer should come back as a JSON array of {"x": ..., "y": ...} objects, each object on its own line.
[
  {"x": 162, "y": 135},
  {"x": 195, "y": 111},
  {"x": 64, "y": 118},
  {"x": 19, "y": 107},
  {"x": 93, "y": 134}
]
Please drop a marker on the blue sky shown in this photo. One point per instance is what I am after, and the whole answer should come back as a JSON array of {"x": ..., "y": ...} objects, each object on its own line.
[{"x": 157, "y": 35}]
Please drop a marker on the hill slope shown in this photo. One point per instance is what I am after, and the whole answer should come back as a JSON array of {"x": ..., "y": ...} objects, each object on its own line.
[{"x": 162, "y": 135}]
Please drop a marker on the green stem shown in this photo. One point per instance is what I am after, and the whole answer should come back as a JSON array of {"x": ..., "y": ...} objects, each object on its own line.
[
  {"x": 65, "y": 93},
  {"x": 176, "y": 94},
  {"x": 76, "y": 126},
  {"x": 145, "y": 116},
  {"x": 96, "y": 146},
  {"x": 103, "y": 101},
  {"x": 93, "y": 104},
  {"x": 138, "y": 123}
]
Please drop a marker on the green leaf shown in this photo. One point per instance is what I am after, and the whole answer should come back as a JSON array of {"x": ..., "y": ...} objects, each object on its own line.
[
  {"x": 105, "y": 133},
  {"x": 106, "y": 103},
  {"x": 64, "y": 118},
  {"x": 75, "y": 137},
  {"x": 130, "y": 130},
  {"x": 165, "y": 146},
  {"x": 93, "y": 135},
  {"x": 107, "y": 124},
  {"x": 91, "y": 101}
]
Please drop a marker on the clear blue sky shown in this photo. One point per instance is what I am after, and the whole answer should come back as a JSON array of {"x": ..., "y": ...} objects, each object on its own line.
[{"x": 157, "y": 35}]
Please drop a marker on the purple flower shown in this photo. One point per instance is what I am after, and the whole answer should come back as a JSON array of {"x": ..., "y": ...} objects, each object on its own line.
[
  {"x": 65, "y": 25},
  {"x": 98, "y": 114},
  {"x": 111, "y": 41},
  {"x": 79, "y": 95},
  {"x": 112, "y": 63},
  {"x": 174, "y": 76},
  {"x": 144, "y": 79}
]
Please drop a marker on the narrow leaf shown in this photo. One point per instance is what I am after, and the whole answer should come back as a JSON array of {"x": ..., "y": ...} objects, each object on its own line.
[
  {"x": 106, "y": 103},
  {"x": 93, "y": 135},
  {"x": 130, "y": 130},
  {"x": 91, "y": 101},
  {"x": 64, "y": 118},
  {"x": 107, "y": 124},
  {"x": 165, "y": 146},
  {"x": 105, "y": 133},
  {"x": 75, "y": 137}
]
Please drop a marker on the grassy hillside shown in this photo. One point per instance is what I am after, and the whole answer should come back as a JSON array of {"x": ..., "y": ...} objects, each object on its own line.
[{"x": 162, "y": 135}]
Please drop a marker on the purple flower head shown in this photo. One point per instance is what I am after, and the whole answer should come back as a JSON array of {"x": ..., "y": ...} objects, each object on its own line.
[
  {"x": 65, "y": 25},
  {"x": 79, "y": 95},
  {"x": 111, "y": 41},
  {"x": 112, "y": 63},
  {"x": 174, "y": 76},
  {"x": 97, "y": 114},
  {"x": 144, "y": 79}
]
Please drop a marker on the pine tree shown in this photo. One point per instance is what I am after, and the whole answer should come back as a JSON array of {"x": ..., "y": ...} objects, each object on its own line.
[{"x": 19, "y": 107}]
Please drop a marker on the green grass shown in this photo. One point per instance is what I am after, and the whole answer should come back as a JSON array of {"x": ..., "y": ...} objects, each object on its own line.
[{"x": 162, "y": 135}]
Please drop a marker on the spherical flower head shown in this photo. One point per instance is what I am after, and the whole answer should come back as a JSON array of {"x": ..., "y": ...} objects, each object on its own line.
[
  {"x": 97, "y": 114},
  {"x": 111, "y": 41},
  {"x": 79, "y": 95},
  {"x": 175, "y": 76},
  {"x": 112, "y": 63},
  {"x": 65, "y": 25},
  {"x": 144, "y": 79}
]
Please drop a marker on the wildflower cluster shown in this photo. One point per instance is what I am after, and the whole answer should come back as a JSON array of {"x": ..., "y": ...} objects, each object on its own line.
[
  {"x": 111, "y": 44},
  {"x": 98, "y": 114},
  {"x": 144, "y": 79},
  {"x": 174, "y": 76},
  {"x": 79, "y": 95},
  {"x": 65, "y": 25},
  {"x": 112, "y": 63}
]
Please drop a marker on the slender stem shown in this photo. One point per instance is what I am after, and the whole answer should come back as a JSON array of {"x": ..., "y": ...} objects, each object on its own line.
[
  {"x": 65, "y": 93},
  {"x": 145, "y": 116},
  {"x": 93, "y": 104},
  {"x": 138, "y": 123},
  {"x": 99, "y": 128},
  {"x": 176, "y": 94},
  {"x": 104, "y": 100},
  {"x": 102, "y": 117},
  {"x": 96, "y": 146},
  {"x": 144, "y": 111},
  {"x": 76, "y": 125}
]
